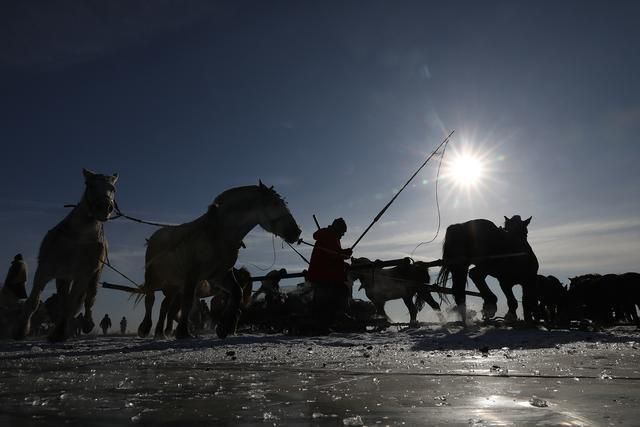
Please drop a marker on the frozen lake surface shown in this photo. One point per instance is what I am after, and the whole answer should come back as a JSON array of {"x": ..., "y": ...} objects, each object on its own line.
[{"x": 431, "y": 375}]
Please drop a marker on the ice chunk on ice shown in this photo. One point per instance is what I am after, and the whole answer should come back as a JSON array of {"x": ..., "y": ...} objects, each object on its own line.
[
  {"x": 605, "y": 376},
  {"x": 538, "y": 403},
  {"x": 268, "y": 416},
  {"x": 353, "y": 421},
  {"x": 500, "y": 371}
]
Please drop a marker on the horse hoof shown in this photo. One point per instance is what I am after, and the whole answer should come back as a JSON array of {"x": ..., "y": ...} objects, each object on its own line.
[
  {"x": 510, "y": 317},
  {"x": 21, "y": 332},
  {"x": 183, "y": 333},
  {"x": 489, "y": 311},
  {"x": 161, "y": 336},
  {"x": 143, "y": 329},
  {"x": 87, "y": 326},
  {"x": 221, "y": 332}
]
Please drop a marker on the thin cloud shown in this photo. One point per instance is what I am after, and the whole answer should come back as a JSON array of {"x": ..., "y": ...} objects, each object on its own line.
[
  {"x": 58, "y": 34},
  {"x": 613, "y": 251},
  {"x": 584, "y": 228}
]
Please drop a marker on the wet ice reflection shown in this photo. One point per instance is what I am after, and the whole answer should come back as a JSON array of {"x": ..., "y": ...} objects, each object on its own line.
[{"x": 388, "y": 379}]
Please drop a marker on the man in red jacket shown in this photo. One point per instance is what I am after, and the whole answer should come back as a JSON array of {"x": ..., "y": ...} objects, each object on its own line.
[{"x": 328, "y": 276}]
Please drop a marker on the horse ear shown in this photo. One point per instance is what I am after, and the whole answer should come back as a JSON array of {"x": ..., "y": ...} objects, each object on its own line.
[
  {"x": 114, "y": 178},
  {"x": 527, "y": 221},
  {"x": 505, "y": 218},
  {"x": 261, "y": 185},
  {"x": 87, "y": 173}
]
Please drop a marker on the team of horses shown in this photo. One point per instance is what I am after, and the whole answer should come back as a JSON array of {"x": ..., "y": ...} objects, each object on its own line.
[{"x": 196, "y": 260}]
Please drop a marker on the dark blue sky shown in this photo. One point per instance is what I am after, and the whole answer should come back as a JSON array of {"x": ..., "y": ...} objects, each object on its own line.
[{"x": 334, "y": 103}]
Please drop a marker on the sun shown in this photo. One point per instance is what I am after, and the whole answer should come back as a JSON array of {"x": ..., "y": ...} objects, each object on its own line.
[{"x": 466, "y": 170}]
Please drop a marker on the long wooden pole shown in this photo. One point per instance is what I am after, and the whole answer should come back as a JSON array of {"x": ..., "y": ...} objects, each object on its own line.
[{"x": 433, "y": 153}]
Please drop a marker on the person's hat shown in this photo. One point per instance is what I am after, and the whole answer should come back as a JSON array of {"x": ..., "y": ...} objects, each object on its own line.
[
  {"x": 340, "y": 225},
  {"x": 18, "y": 257}
]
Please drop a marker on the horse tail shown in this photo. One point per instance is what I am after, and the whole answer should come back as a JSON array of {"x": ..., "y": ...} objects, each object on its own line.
[
  {"x": 443, "y": 275},
  {"x": 139, "y": 294}
]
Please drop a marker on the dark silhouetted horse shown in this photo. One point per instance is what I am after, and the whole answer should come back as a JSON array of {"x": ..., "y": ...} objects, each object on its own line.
[
  {"x": 179, "y": 258},
  {"x": 605, "y": 299},
  {"x": 553, "y": 299},
  {"x": 503, "y": 253},
  {"x": 405, "y": 281},
  {"x": 73, "y": 253}
]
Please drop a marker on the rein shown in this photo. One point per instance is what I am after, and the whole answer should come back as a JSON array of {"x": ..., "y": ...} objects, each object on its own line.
[{"x": 120, "y": 214}]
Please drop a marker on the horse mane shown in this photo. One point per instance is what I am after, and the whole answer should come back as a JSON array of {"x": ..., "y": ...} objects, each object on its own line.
[{"x": 226, "y": 195}]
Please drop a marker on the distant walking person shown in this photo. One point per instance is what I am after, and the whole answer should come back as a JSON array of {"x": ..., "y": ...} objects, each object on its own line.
[
  {"x": 16, "y": 280},
  {"x": 123, "y": 325},
  {"x": 105, "y": 324},
  {"x": 328, "y": 275}
]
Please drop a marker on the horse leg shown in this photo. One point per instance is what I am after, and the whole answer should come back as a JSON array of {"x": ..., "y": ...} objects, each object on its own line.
[
  {"x": 62, "y": 290},
  {"x": 70, "y": 305},
  {"x": 182, "y": 331},
  {"x": 529, "y": 301},
  {"x": 173, "y": 311},
  {"x": 459, "y": 279},
  {"x": 89, "y": 301},
  {"x": 490, "y": 301},
  {"x": 145, "y": 325},
  {"x": 512, "y": 303},
  {"x": 164, "y": 308},
  {"x": 426, "y": 296},
  {"x": 62, "y": 287},
  {"x": 23, "y": 326},
  {"x": 231, "y": 313},
  {"x": 413, "y": 311}
]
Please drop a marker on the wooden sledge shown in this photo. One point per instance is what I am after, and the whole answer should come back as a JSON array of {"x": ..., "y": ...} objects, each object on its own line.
[{"x": 373, "y": 264}]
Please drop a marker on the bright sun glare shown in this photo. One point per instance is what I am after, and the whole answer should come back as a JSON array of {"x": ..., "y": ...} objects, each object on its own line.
[{"x": 466, "y": 170}]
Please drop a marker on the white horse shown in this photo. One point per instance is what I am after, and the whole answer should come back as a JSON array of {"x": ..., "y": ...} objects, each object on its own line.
[
  {"x": 73, "y": 252},
  {"x": 207, "y": 248},
  {"x": 406, "y": 281}
]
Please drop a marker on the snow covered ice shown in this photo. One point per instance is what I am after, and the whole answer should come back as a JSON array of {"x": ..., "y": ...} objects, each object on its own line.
[{"x": 430, "y": 375}]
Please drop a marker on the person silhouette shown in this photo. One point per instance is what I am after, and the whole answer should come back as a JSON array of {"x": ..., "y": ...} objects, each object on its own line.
[
  {"x": 105, "y": 324},
  {"x": 16, "y": 280},
  {"x": 123, "y": 325},
  {"x": 328, "y": 276}
]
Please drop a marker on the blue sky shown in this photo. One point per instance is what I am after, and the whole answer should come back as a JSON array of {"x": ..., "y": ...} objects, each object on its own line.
[{"x": 335, "y": 104}]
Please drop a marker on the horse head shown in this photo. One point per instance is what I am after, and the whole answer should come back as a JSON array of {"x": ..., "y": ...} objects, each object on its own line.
[
  {"x": 99, "y": 194},
  {"x": 274, "y": 215},
  {"x": 356, "y": 273},
  {"x": 272, "y": 282},
  {"x": 516, "y": 226}
]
